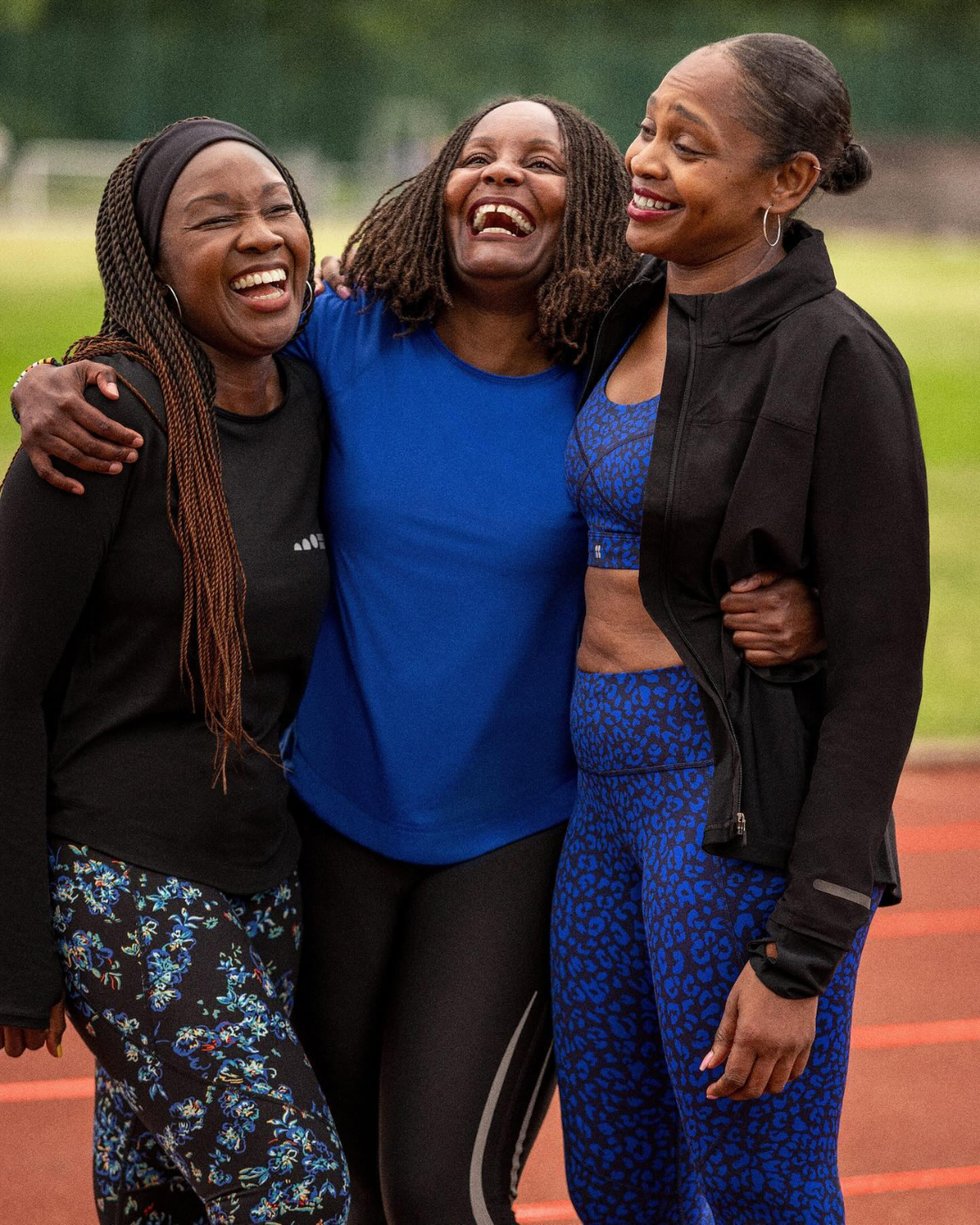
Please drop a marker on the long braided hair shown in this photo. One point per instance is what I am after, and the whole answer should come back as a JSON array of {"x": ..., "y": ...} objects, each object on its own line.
[
  {"x": 398, "y": 253},
  {"x": 138, "y": 323}
]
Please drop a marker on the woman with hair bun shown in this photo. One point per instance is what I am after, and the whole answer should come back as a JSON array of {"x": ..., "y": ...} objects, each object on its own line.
[{"x": 733, "y": 831}]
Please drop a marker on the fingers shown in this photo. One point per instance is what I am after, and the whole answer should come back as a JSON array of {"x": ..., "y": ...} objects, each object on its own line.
[
  {"x": 762, "y": 579},
  {"x": 34, "y": 1039},
  {"x": 332, "y": 277},
  {"x": 77, "y": 450},
  {"x": 764, "y": 659},
  {"x": 13, "y": 1041},
  {"x": 48, "y": 472},
  {"x": 736, "y": 1076},
  {"x": 96, "y": 374},
  {"x": 781, "y": 1075},
  {"x": 799, "y": 1064},
  {"x": 724, "y": 1035},
  {"x": 56, "y": 1029},
  {"x": 93, "y": 422},
  {"x": 758, "y": 1081}
]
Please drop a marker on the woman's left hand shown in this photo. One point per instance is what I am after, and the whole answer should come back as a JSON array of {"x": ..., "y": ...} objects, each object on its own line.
[
  {"x": 15, "y": 1040},
  {"x": 774, "y": 620},
  {"x": 764, "y": 1041}
]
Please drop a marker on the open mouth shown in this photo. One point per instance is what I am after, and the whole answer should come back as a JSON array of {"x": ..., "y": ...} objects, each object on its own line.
[
  {"x": 261, "y": 286},
  {"x": 499, "y": 218},
  {"x": 652, "y": 204}
]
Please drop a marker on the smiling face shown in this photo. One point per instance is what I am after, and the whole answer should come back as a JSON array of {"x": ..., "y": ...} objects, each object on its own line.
[
  {"x": 699, "y": 189},
  {"x": 235, "y": 251},
  {"x": 505, "y": 198}
]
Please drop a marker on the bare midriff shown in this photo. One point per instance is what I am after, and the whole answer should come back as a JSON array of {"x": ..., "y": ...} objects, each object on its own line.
[{"x": 618, "y": 634}]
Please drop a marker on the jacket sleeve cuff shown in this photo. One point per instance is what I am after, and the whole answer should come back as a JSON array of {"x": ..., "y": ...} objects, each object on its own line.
[
  {"x": 803, "y": 966},
  {"x": 20, "y": 1021}
]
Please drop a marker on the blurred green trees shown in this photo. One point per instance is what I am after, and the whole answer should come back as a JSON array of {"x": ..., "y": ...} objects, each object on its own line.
[{"x": 328, "y": 72}]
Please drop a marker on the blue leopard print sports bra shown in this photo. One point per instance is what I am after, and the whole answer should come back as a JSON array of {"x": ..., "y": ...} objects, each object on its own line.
[{"x": 606, "y": 465}]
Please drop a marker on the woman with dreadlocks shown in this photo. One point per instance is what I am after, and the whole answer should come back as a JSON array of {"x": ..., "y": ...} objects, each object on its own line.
[
  {"x": 431, "y": 748},
  {"x": 156, "y": 637}
]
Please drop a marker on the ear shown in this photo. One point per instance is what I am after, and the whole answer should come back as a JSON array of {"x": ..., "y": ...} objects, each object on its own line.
[{"x": 793, "y": 181}]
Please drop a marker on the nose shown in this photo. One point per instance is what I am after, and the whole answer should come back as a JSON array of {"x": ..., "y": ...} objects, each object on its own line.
[
  {"x": 501, "y": 172},
  {"x": 257, "y": 234},
  {"x": 644, "y": 160}
]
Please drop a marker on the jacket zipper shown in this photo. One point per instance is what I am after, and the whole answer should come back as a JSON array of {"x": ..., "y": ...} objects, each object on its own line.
[{"x": 740, "y": 823}]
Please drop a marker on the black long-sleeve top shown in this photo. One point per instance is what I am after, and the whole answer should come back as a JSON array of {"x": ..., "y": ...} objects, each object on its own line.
[
  {"x": 98, "y": 740},
  {"x": 787, "y": 440}
]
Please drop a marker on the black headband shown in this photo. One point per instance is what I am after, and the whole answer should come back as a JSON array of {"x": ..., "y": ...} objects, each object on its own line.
[{"x": 162, "y": 161}]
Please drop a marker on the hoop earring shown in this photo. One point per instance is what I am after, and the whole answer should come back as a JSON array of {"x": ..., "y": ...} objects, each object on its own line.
[
  {"x": 311, "y": 293},
  {"x": 765, "y": 228},
  {"x": 173, "y": 294}
]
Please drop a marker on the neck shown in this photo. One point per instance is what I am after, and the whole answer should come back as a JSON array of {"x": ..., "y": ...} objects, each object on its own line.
[
  {"x": 497, "y": 335},
  {"x": 248, "y": 386},
  {"x": 726, "y": 271}
]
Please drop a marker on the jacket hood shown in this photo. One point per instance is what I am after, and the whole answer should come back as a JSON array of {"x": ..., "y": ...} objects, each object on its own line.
[{"x": 752, "y": 309}]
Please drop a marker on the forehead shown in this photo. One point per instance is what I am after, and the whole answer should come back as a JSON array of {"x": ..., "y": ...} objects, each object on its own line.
[
  {"x": 707, "y": 80},
  {"x": 527, "y": 122},
  {"x": 229, "y": 167}
]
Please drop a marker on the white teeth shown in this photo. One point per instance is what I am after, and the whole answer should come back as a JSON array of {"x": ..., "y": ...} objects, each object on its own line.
[
  {"x": 515, "y": 214},
  {"x": 647, "y": 202},
  {"x": 269, "y": 277}
]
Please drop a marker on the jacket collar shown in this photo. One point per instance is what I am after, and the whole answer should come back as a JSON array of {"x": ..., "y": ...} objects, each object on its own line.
[{"x": 752, "y": 309}]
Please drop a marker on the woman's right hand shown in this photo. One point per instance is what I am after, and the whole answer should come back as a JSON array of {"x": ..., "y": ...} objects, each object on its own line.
[
  {"x": 329, "y": 276},
  {"x": 57, "y": 421},
  {"x": 15, "y": 1040}
]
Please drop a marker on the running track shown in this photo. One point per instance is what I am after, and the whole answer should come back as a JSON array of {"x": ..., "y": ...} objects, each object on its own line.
[{"x": 910, "y": 1144}]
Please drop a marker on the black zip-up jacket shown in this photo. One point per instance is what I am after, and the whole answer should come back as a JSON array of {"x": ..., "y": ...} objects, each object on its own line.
[{"x": 787, "y": 439}]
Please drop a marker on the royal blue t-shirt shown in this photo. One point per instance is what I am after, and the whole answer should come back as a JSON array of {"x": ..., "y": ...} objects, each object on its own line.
[{"x": 435, "y": 721}]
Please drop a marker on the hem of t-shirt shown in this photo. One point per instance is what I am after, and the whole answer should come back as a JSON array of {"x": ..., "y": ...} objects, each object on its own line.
[
  {"x": 429, "y": 333},
  {"x": 235, "y": 880},
  {"x": 436, "y": 844}
]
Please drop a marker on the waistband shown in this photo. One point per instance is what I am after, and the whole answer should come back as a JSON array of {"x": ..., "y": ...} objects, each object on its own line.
[{"x": 639, "y": 722}]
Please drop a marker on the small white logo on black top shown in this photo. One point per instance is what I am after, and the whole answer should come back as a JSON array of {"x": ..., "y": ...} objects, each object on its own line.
[{"x": 314, "y": 541}]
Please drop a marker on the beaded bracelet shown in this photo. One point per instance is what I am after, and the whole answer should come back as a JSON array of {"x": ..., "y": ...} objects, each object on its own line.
[{"x": 45, "y": 361}]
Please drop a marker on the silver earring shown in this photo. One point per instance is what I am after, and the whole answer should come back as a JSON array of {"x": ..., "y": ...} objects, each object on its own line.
[
  {"x": 173, "y": 294},
  {"x": 765, "y": 228},
  {"x": 308, "y": 298}
]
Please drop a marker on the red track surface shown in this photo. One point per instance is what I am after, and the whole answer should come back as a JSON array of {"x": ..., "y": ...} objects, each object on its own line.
[{"x": 910, "y": 1141}]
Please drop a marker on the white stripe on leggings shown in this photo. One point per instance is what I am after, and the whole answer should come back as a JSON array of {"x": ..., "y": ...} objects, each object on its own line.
[
  {"x": 481, "y": 1213},
  {"x": 515, "y": 1165}
]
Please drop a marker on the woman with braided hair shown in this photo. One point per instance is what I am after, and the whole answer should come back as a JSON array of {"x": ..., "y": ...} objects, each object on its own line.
[
  {"x": 431, "y": 749},
  {"x": 155, "y": 643}
]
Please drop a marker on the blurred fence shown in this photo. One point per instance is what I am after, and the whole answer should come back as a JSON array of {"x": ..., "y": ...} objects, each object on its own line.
[{"x": 360, "y": 82}]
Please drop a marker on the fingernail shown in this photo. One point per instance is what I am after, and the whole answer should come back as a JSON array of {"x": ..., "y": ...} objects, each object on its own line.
[
  {"x": 343, "y": 292},
  {"x": 704, "y": 1062},
  {"x": 111, "y": 389},
  {"x": 115, "y": 467},
  {"x": 58, "y": 1052},
  {"x": 131, "y": 457}
]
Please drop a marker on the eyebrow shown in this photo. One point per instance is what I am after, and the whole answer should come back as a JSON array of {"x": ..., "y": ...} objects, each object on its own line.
[
  {"x": 538, "y": 142},
  {"x": 222, "y": 197},
  {"x": 683, "y": 112}
]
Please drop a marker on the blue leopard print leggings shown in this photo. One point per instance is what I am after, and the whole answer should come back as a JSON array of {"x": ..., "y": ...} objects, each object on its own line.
[
  {"x": 207, "y": 1111},
  {"x": 649, "y": 934}
]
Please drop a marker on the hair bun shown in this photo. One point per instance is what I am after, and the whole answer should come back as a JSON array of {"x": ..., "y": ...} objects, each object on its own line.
[{"x": 851, "y": 170}]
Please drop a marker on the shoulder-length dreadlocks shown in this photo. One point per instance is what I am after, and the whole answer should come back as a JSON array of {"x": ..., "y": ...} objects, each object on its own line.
[
  {"x": 398, "y": 252},
  {"x": 138, "y": 323}
]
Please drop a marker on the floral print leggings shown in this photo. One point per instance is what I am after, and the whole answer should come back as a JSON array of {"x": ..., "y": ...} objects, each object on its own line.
[{"x": 207, "y": 1111}]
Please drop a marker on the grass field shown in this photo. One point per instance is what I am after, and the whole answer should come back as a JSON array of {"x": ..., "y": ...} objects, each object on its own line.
[{"x": 925, "y": 292}]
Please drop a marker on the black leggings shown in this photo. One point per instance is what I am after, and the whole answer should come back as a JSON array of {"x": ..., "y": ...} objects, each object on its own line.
[{"x": 424, "y": 1007}]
